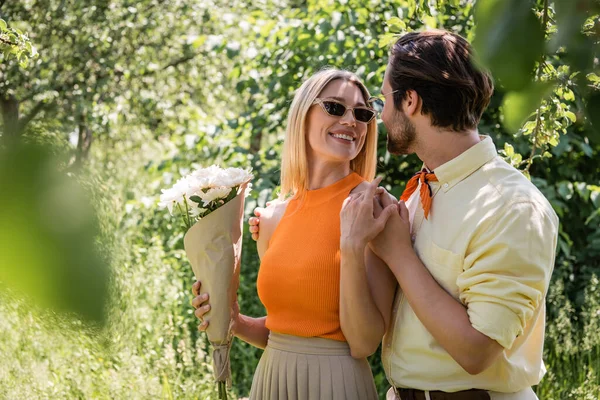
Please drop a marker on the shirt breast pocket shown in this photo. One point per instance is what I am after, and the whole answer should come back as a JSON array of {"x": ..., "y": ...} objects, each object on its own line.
[{"x": 444, "y": 265}]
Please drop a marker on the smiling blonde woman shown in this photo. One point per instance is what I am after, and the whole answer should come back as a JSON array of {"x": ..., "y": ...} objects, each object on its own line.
[{"x": 325, "y": 314}]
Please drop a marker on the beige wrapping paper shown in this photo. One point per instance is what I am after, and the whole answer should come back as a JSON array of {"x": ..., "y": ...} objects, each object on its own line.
[{"x": 214, "y": 248}]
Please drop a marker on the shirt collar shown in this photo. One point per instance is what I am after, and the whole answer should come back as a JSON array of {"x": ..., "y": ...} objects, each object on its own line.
[{"x": 457, "y": 169}]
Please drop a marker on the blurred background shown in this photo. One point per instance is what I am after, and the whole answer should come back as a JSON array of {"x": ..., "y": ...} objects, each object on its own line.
[{"x": 103, "y": 103}]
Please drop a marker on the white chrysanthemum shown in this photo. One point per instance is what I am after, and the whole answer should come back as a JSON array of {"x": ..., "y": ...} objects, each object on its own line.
[
  {"x": 210, "y": 177},
  {"x": 195, "y": 185},
  {"x": 237, "y": 176},
  {"x": 170, "y": 197},
  {"x": 212, "y": 185},
  {"x": 214, "y": 194}
]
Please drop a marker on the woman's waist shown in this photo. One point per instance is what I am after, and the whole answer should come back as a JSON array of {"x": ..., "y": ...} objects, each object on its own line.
[{"x": 308, "y": 345}]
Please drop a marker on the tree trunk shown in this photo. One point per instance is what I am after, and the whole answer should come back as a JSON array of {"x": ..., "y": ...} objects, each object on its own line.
[
  {"x": 84, "y": 141},
  {"x": 10, "y": 116},
  {"x": 255, "y": 141}
]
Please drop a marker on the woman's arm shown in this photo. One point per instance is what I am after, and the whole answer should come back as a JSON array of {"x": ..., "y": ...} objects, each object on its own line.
[
  {"x": 250, "y": 330},
  {"x": 361, "y": 318},
  {"x": 367, "y": 290},
  {"x": 367, "y": 286}
]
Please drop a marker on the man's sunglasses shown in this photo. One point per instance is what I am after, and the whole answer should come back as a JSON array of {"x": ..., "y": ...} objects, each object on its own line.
[
  {"x": 377, "y": 102},
  {"x": 337, "y": 109}
]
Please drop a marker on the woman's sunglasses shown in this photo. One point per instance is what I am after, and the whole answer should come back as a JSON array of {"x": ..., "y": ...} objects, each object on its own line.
[{"x": 337, "y": 109}]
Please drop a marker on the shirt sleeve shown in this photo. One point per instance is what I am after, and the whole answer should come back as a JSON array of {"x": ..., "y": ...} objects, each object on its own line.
[{"x": 507, "y": 270}]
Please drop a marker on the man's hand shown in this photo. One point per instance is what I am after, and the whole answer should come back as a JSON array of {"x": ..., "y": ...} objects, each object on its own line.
[
  {"x": 396, "y": 232},
  {"x": 254, "y": 223},
  {"x": 358, "y": 223}
]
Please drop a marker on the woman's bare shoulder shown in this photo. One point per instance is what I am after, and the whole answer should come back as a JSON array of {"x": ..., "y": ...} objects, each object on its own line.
[
  {"x": 269, "y": 219},
  {"x": 274, "y": 212}
]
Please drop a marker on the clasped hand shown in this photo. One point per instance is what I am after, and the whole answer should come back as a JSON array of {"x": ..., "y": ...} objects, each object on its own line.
[{"x": 374, "y": 217}]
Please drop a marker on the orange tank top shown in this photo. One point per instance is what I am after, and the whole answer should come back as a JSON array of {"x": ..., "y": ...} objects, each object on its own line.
[{"x": 299, "y": 277}]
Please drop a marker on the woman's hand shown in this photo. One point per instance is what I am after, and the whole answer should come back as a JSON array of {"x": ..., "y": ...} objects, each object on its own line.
[
  {"x": 358, "y": 220},
  {"x": 200, "y": 303},
  {"x": 202, "y": 306}
]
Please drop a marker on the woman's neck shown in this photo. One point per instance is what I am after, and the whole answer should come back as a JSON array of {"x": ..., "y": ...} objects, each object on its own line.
[{"x": 324, "y": 173}]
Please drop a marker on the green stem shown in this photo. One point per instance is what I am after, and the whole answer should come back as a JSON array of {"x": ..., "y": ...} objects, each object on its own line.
[
  {"x": 182, "y": 215},
  {"x": 222, "y": 390},
  {"x": 540, "y": 69},
  {"x": 187, "y": 213}
]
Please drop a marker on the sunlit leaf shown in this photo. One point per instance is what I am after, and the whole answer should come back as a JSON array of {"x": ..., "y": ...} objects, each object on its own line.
[{"x": 396, "y": 25}]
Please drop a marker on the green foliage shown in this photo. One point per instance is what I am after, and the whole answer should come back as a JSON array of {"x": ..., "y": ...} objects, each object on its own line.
[
  {"x": 510, "y": 41},
  {"x": 14, "y": 45}
]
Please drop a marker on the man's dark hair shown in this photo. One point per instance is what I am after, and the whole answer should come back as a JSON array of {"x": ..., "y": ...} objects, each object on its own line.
[{"x": 439, "y": 66}]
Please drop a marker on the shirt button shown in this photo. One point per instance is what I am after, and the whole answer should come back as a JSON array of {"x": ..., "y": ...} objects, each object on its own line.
[{"x": 445, "y": 186}]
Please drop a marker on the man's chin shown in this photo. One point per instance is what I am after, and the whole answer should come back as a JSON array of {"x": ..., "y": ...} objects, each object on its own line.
[{"x": 396, "y": 150}]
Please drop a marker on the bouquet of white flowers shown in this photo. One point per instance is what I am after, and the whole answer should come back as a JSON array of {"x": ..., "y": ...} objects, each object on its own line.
[{"x": 211, "y": 203}]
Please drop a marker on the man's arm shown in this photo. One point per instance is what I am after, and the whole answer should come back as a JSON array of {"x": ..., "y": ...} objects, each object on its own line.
[
  {"x": 505, "y": 282},
  {"x": 444, "y": 317}
]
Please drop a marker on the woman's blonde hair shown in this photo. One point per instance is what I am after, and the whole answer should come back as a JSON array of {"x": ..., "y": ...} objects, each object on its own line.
[{"x": 294, "y": 166}]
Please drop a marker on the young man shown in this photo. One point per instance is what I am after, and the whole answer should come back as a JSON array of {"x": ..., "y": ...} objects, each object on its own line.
[{"x": 473, "y": 246}]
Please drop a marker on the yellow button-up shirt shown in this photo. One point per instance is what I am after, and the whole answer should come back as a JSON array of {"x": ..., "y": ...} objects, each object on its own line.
[{"x": 490, "y": 242}]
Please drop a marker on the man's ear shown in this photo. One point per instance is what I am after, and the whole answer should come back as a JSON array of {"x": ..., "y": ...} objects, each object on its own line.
[{"x": 412, "y": 103}]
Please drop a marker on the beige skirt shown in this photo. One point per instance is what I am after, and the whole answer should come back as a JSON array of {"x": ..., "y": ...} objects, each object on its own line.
[{"x": 299, "y": 368}]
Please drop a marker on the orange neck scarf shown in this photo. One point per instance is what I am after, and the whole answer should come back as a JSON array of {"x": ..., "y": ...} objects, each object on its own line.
[{"x": 426, "y": 196}]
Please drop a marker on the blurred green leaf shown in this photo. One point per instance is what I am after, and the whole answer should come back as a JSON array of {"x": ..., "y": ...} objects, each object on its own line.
[
  {"x": 396, "y": 25},
  {"x": 387, "y": 39},
  {"x": 509, "y": 39},
  {"x": 47, "y": 249},
  {"x": 570, "y": 16},
  {"x": 518, "y": 106},
  {"x": 199, "y": 41}
]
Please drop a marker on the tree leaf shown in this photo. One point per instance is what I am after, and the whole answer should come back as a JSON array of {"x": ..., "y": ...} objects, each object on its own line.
[
  {"x": 196, "y": 199},
  {"x": 518, "y": 106},
  {"x": 509, "y": 39},
  {"x": 396, "y": 25},
  {"x": 387, "y": 39}
]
